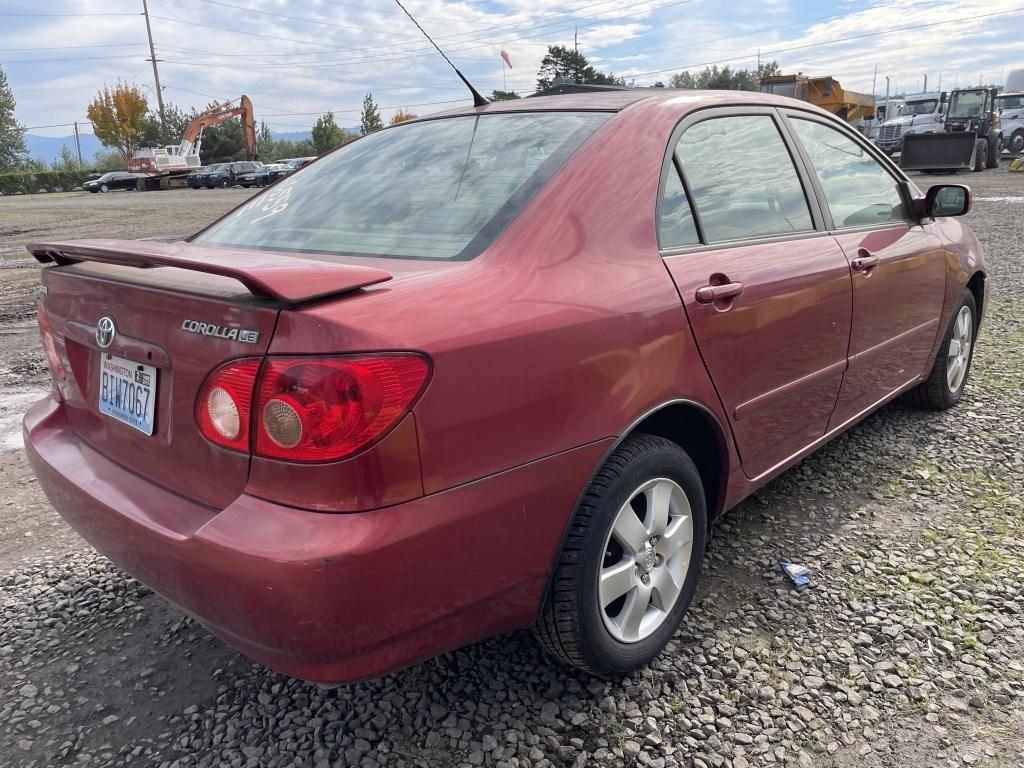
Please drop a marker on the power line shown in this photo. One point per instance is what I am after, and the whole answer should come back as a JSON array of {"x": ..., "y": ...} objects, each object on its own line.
[{"x": 830, "y": 42}]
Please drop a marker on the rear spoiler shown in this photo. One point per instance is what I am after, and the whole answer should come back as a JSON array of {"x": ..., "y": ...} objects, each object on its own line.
[{"x": 292, "y": 278}]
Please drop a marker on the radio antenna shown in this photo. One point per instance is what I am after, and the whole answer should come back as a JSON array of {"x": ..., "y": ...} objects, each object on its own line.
[{"x": 479, "y": 100}]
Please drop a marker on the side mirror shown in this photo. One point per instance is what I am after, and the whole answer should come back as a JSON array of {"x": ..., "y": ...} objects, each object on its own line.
[{"x": 947, "y": 200}]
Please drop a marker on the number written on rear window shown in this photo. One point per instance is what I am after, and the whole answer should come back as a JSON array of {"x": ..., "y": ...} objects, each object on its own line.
[
  {"x": 742, "y": 179},
  {"x": 859, "y": 191}
]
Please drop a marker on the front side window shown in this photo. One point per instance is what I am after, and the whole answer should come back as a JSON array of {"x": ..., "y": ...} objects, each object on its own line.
[
  {"x": 742, "y": 179},
  {"x": 438, "y": 189},
  {"x": 858, "y": 190}
]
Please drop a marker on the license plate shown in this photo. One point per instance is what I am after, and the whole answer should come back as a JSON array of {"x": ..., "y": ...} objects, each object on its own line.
[{"x": 128, "y": 392}]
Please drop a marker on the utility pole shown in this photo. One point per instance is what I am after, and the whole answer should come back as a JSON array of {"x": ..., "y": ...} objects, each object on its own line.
[
  {"x": 924, "y": 88},
  {"x": 156, "y": 72},
  {"x": 78, "y": 146},
  {"x": 874, "y": 79},
  {"x": 576, "y": 50}
]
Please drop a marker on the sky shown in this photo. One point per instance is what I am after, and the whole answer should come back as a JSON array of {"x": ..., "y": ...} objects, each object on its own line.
[{"x": 297, "y": 59}]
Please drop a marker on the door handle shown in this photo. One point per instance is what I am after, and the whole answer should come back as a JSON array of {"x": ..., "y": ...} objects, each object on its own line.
[
  {"x": 864, "y": 261},
  {"x": 709, "y": 294}
]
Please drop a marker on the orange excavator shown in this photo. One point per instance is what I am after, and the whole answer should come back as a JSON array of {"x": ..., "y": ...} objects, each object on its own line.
[{"x": 168, "y": 166}]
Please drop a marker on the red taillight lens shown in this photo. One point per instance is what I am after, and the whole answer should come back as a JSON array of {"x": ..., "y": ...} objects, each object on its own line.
[
  {"x": 49, "y": 345},
  {"x": 225, "y": 402},
  {"x": 321, "y": 409}
]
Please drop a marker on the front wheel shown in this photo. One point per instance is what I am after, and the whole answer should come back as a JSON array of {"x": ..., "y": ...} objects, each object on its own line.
[
  {"x": 630, "y": 562},
  {"x": 104, "y": 188},
  {"x": 995, "y": 152},
  {"x": 1017, "y": 141},
  {"x": 945, "y": 384},
  {"x": 980, "y": 155}
]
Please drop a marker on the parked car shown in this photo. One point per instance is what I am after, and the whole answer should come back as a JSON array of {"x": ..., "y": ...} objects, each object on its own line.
[
  {"x": 209, "y": 177},
  {"x": 271, "y": 172},
  {"x": 500, "y": 368},
  {"x": 247, "y": 174},
  {"x": 224, "y": 175},
  {"x": 113, "y": 180}
]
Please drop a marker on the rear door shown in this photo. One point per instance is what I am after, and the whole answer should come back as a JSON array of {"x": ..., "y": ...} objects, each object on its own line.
[
  {"x": 898, "y": 264},
  {"x": 766, "y": 289}
]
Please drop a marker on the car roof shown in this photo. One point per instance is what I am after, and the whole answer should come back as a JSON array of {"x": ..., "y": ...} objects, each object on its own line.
[{"x": 617, "y": 99}]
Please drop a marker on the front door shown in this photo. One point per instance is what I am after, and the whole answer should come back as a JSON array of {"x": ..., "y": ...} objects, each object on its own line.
[
  {"x": 898, "y": 266},
  {"x": 766, "y": 289}
]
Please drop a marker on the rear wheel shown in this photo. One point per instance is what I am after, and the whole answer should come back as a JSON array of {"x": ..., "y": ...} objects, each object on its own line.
[
  {"x": 980, "y": 155},
  {"x": 630, "y": 562},
  {"x": 1017, "y": 141},
  {"x": 995, "y": 151},
  {"x": 945, "y": 384}
]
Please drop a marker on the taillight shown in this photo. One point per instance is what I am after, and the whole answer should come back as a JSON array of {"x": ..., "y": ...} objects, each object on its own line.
[
  {"x": 225, "y": 403},
  {"x": 49, "y": 345},
  {"x": 321, "y": 409}
]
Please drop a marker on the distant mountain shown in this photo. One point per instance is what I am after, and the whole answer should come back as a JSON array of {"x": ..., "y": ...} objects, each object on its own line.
[{"x": 47, "y": 148}]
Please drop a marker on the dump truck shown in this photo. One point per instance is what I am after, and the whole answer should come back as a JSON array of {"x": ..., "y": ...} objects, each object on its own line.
[
  {"x": 167, "y": 167},
  {"x": 971, "y": 139},
  {"x": 824, "y": 92}
]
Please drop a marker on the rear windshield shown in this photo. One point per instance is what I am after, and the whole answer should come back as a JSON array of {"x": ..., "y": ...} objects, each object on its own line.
[{"x": 438, "y": 189}]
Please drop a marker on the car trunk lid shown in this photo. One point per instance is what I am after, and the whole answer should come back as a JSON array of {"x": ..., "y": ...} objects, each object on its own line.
[{"x": 181, "y": 311}]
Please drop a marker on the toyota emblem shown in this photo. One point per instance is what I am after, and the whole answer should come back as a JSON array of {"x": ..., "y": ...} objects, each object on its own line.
[{"x": 105, "y": 331}]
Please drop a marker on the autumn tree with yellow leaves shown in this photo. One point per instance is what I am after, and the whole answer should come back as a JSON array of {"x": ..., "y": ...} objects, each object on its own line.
[
  {"x": 401, "y": 116},
  {"x": 118, "y": 116}
]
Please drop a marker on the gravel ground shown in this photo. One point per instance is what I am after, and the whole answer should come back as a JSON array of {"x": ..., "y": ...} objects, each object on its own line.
[{"x": 906, "y": 650}]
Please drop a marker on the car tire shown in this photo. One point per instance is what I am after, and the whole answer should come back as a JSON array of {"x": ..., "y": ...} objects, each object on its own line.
[
  {"x": 225, "y": 184},
  {"x": 980, "y": 155},
  {"x": 588, "y": 627},
  {"x": 1017, "y": 141},
  {"x": 945, "y": 386},
  {"x": 104, "y": 188},
  {"x": 995, "y": 151}
]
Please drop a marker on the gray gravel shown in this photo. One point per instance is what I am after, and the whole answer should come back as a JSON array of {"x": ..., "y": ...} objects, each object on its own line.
[{"x": 906, "y": 650}]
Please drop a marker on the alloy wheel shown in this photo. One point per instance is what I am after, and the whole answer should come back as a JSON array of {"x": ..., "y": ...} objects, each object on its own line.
[
  {"x": 646, "y": 559},
  {"x": 959, "y": 353}
]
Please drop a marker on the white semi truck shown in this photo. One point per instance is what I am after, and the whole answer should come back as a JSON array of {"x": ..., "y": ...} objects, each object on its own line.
[{"x": 920, "y": 113}]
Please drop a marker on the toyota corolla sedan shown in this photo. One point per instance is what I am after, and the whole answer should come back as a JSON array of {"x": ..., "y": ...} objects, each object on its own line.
[{"x": 496, "y": 368}]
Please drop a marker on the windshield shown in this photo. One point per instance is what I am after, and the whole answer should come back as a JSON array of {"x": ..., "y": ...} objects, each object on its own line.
[
  {"x": 919, "y": 107},
  {"x": 438, "y": 189},
  {"x": 215, "y": 168},
  {"x": 1011, "y": 101},
  {"x": 107, "y": 176},
  {"x": 779, "y": 89},
  {"x": 967, "y": 104}
]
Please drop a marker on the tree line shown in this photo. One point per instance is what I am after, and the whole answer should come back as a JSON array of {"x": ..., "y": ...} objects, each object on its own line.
[{"x": 123, "y": 121}]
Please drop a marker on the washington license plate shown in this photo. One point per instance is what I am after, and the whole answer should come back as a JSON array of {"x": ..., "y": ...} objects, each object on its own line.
[{"x": 128, "y": 391}]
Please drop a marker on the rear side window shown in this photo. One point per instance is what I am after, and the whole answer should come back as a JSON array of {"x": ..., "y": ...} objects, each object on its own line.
[
  {"x": 438, "y": 189},
  {"x": 675, "y": 219},
  {"x": 858, "y": 190},
  {"x": 742, "y": 179}
]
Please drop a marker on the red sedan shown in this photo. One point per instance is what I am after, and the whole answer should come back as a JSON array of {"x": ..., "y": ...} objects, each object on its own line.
[{"x": 495, "y": 368}]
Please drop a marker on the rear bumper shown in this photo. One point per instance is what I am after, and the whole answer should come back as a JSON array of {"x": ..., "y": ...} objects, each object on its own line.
[{"x": 324, "y": 597}]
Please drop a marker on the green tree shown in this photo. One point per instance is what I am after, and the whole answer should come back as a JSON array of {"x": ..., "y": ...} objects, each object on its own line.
[
  {"x": 265, "y": 143},
  {"x": 68, "y": 160},
  {"x": 108, "y": 161},
  {"x": 504, "y": 95},
  {"x": 370, "y": 120},
  {"x": 327, "y": 134},
  {"x": 176, "y": 120},
  {"x": 563, "y": 62},
  {"x": 12, "y": 135},
  {"x": 724, "y": 79},
  {"x": 117, "y": 116}
]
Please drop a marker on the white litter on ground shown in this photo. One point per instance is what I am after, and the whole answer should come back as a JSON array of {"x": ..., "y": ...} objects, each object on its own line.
[
  {"x": 13, "y": 404},
  {"x": 1008, "y": 199}
]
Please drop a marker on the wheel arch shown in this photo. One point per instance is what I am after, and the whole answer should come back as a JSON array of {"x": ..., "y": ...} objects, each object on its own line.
[
  {"x": 976, "y": 285},
  {"x": 694, "y": 428}
]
